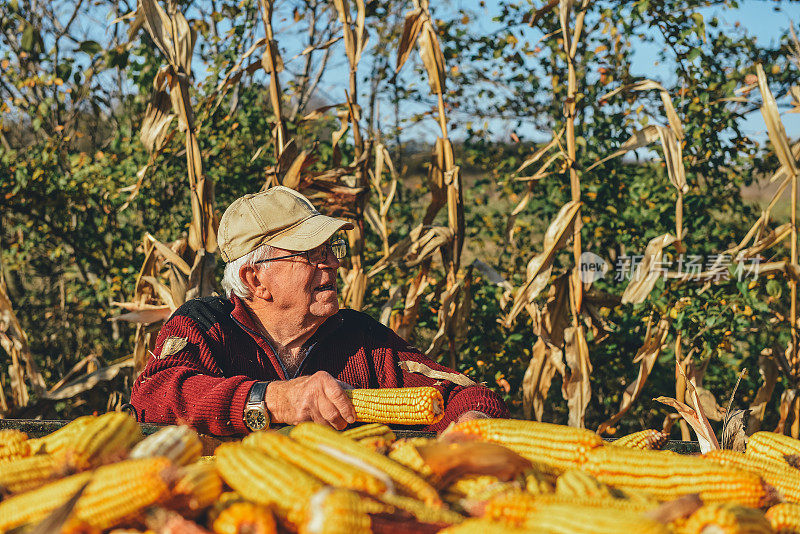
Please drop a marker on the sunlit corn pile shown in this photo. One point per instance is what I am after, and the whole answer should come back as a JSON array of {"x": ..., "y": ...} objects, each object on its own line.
[{"x": 100, "y": 474}]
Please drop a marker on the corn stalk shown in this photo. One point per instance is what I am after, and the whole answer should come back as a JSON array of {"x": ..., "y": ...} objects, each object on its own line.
[
  {"x": 14, "y": 342},
  {"x": 576, "y": 385},
  {"x": 444, "y": 180},
  {"x": 780, "y": 142},
  {"x": 153, "y": 300},
  {"x": 354, "y": 42},
  {"x": 272, "y": 64}
]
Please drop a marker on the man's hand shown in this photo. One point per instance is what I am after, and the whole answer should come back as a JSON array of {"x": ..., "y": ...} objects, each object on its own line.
[
  {"x": 319, "y": 398},
  {"x": 472, "y": 414}
]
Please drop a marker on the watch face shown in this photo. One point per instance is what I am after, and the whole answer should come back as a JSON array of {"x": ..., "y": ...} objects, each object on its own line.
[{"x": 255, "y": 419}]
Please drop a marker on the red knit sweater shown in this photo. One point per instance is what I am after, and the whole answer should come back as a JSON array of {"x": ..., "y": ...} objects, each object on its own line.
[{"x": 209, "y": 354}]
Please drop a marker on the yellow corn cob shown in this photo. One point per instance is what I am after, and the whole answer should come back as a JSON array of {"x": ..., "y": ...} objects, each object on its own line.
[
  {"x": 370, "y": 430},
  {"x": 480, "y": 488},
  {"x": 784, "y": 517},
  {"x": 180, "y": 444},
  {"x": 482, "y": 526},
  {"x": 13, "y": 444},
  {"x": 245, "y": 517},
  {"x": 404, "y": 451},
  {"x": 329, "y": 469},
  {"x": 115, "y": 492},
  {"x": 108, "y": 438},
  {"x": 537, "y": 482},
  {"x": 726, "y": 518},
  {"x": 400, "y": 406},
  {"x": 23, "y": 474},
  {"x": 374, "y": 436},
  {"x": 267, "y": 480},
  {"x": 339, "y": 511},
  {"x": 198, "y": 486},
  {"x": 378, "y": 444},
  {"x": 772, "y": 445},
  {"x": 666, "y": 475},
  {"x": 421, "y": 511},
  {"x": 577, "y": 483},
  {"x": 56, "y": 441},
  {"x": 557, "y": 446},
  {"x": 776, "y": 473},
  {"x": 332, "y": 442},
  {"x": 514, "y": 507},
  {"x": 577, "y": 519},
  {"x": 644, "y": 439}
]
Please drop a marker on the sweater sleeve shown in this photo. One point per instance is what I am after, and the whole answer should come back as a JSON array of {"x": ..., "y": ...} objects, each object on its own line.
[
  {"x": 458, "y": 399},
  {"x": 183, "y": 383}
]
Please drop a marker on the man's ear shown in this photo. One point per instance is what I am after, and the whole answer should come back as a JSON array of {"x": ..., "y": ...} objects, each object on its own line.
[{"x": 249, "y": 275}]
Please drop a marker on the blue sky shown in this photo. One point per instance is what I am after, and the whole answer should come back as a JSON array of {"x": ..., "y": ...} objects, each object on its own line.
[{"x": 767, "y": 20}]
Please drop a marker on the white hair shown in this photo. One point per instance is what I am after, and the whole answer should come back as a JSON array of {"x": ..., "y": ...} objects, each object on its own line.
[{"x": 232, "y": 283}]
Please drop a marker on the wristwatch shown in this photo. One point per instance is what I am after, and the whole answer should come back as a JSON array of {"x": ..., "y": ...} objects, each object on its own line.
[{"x": 256, "y": 415}]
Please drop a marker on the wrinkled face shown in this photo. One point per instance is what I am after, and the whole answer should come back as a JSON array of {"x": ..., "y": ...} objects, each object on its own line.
[{"x": 303, "y": 289}]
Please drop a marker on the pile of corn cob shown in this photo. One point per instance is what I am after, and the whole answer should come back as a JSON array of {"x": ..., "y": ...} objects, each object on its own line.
[{"x": 99, "y": 474}]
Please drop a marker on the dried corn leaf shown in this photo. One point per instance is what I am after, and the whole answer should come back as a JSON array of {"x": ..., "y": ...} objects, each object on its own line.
[
  {"x": 777, "y": 133},
  {"x": 441, "y": 160},
  {"x": 88, "y": 382},
  {"x": 291, "y": 178},
  {"x": 787, "y": 400},
  {"x": 201, "y": 277},
  {"x": 696, "y": 418},
  {"x": 673, "y": 159},
  {"x": 782, "y": 174},
  {"x": 769, "y": 372},
  {"x": 646, "y": 357},
  {"x": 576, "y": 388},
  {"x": 669, "y": 108},
  {"x": 163, "y": 292},
  {"x": 270, "y": 56},
  {"x": 512, "y": 218},
  {"x": 388, "y": 306},
  {"x": 537, "y": 379},
  {"x": 734, "y": 431},
  {"x": 361, "y": 36},
  {"x": 14, "y": 342},
  {"x": 411, "y": 29},
  {"x": 537, "y": 155},
  {"x": 169, "y": 255},
  {"x": 146, "y": 315},
  {"x": 539, "y": 266},
  {"x": 155, "y": 125},
  {"x": 374, "y": 220},
  {"x": 453, "y": 314},
  {"x": 459, "y": 457},
  {"x": 343, "y": 9},
  {"x": 639, "y": 139},
  {"x": 431, "y": 53},
  {"x": 171, "y": 34},
  {"x": 647, "y": 271},
  {"x": 542, "y": 171}
]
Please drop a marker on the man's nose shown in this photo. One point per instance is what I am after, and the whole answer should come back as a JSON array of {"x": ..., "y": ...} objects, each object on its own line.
[{"x": 331, "y": 261}]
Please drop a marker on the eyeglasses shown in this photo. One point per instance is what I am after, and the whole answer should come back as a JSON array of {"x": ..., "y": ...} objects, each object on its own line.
[{"x": 319, "y": 254}]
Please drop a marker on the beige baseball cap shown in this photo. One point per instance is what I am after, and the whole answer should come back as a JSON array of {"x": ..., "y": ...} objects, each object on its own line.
[{"x": 279, "y": 217}]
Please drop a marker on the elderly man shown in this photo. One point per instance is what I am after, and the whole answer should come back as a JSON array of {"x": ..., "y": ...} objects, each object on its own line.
[{"x": 279, "y": 349}]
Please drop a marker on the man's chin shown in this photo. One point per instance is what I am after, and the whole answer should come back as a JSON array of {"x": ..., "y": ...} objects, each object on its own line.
[{"x": 325, "y": 308}]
